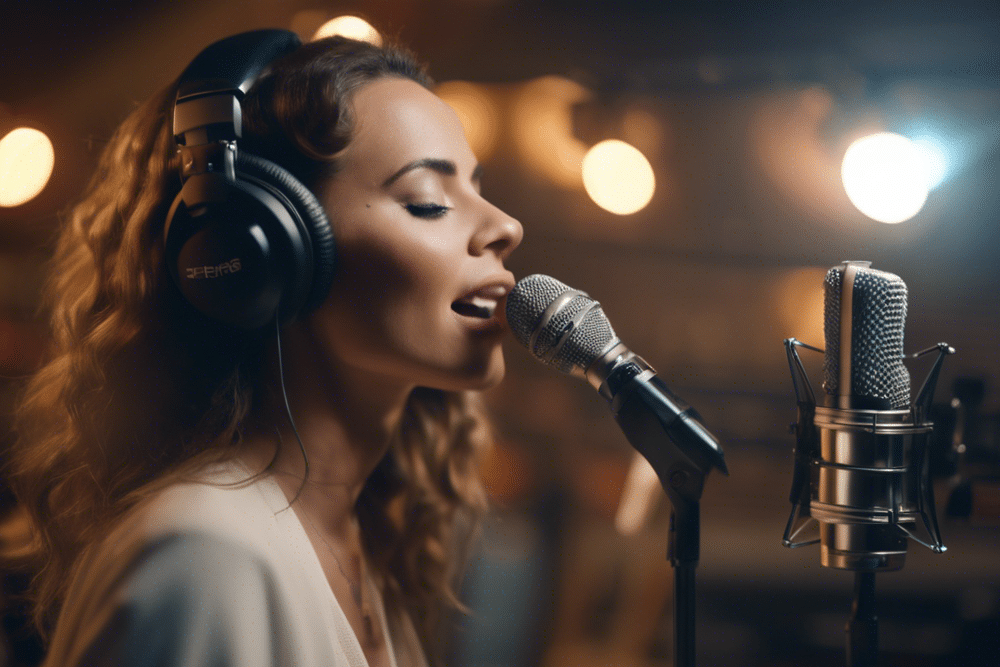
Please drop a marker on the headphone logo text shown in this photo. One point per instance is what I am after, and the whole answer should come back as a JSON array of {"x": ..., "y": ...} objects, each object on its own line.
[{"x": 197, "y": 272}]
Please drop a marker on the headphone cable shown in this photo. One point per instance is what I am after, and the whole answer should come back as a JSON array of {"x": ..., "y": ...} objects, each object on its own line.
[{"x": 288, "y": 408}]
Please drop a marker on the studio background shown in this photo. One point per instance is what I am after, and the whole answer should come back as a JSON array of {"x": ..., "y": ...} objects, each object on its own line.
[{"x": 744, "y": 111}]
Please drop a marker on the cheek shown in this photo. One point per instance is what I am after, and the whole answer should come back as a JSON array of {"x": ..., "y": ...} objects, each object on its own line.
[
  {"x": 393, "y": 289},
  {"x": 378, "y": 272}
]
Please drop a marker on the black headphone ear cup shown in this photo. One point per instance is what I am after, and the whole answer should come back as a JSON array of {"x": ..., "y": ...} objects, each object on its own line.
[
  {"x": 246, "y": 250},
  {"x": 312, "y": 216},
  {"x": 234, "y": 249}
]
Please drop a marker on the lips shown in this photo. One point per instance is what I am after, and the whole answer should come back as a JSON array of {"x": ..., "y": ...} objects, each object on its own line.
[{"x": 481, "y": 303}]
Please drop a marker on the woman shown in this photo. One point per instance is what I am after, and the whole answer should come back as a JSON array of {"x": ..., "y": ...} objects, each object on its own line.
[{"x": 160, "y": 450}]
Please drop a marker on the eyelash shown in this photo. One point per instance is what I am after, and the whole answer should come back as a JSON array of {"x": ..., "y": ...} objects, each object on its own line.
[{"x": 427, "y": 211}]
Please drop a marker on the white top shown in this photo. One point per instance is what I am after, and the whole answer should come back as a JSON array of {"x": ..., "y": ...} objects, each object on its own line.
[{"x": 204, "y": 575}]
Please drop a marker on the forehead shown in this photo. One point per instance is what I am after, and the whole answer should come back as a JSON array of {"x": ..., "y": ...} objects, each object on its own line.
[{"x": 397, "y": 121}]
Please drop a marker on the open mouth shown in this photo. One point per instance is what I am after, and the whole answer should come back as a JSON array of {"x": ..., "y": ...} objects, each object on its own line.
[{"x": 475, "y": 306}]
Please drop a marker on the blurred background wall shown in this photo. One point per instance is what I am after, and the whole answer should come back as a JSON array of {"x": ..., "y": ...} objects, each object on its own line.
[{"x": 742, "y": 114}]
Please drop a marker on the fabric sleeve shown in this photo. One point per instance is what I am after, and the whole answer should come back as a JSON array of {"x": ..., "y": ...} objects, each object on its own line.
[{"x": 190, "y": 600}]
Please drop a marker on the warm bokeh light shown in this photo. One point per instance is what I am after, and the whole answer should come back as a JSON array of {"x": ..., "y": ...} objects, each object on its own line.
[
  {"x": 26, "y": 163},
  {"x": 618, "y": 177},
  {"x": 478, "y": 112},
  {"x": 543, "y": 129},
  {"x": 887, "y": 177},
  {"x": 352, "y": 27}
]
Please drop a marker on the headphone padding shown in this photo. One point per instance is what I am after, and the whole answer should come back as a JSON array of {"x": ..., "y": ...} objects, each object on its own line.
[{"x": 313, "y": 216}]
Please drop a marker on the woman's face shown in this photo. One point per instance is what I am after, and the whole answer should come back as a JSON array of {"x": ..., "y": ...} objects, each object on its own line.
[{"x": 420, "y": 253}]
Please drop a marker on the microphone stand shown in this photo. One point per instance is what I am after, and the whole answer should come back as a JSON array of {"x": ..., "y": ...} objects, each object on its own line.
[
  {"x": 683, "y": 486},
  {"x": 669, "y": 434},
  {"x": 683, "y": 550}
]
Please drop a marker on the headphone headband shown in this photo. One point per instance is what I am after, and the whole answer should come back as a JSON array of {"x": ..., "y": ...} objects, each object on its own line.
[{"x": 212, "y": 87}]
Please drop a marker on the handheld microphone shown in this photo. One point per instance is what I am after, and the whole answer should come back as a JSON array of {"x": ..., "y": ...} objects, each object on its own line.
[
  {"x": 861, "y": 457},
  {"x": 566, "y": 329}
]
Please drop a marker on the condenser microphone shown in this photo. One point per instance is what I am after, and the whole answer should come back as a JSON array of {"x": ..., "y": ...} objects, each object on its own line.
[
  {"x": 566, "y": 329},
  {"x": 868, "y": 481}
]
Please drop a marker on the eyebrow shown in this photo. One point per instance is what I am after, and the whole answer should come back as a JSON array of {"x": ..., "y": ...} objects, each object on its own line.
[{"x": 443, "y": 167}]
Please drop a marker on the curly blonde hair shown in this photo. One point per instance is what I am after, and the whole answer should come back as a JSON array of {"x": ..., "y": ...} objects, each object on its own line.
[{"x": 139, "y": 393}]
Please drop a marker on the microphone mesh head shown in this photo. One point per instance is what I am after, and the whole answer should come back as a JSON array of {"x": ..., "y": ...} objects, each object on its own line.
[
  {"x": 584, "y": 341},
  {"x": 528, "y": 300},
  {"x": 878, "y": 314}
]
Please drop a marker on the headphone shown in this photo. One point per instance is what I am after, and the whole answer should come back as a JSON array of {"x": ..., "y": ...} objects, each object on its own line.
[{"x": 245, "y": 241}]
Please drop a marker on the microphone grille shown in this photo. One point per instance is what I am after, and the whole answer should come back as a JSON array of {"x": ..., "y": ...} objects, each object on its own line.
[
  {"x": 878, "y": 314},
  {"x": 570, "y": 338},
  {"x": 528, "y": 300}
]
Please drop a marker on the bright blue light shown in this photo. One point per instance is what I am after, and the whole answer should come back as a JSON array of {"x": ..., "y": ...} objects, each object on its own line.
[
  {"x": 935, "y": 153},
  {"x": 950, "y": 145}
]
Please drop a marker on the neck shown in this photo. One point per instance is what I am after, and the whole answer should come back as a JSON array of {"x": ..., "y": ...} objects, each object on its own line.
[{"x": 343, "y": 416}]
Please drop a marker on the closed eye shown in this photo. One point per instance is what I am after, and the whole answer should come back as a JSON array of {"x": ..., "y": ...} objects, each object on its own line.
[{"x": 427, "y": 211}]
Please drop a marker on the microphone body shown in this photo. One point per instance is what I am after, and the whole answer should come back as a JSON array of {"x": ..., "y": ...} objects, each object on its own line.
[
  {"x": 866, "y": 445},
  {"x": 866, "y": 487},
  {"x": 565, "y": 328}
]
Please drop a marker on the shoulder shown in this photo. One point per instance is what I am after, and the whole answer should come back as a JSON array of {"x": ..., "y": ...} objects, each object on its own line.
[
  {"x": 181, "y": 569},
  {"x": 183, "y": 598},
  {"x": 201, "y": 516},
  {"x": 196, "y": 595},
  {"x": 217, "y": 501}
]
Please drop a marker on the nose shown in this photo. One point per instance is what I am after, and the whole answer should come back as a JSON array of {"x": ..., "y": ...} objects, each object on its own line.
[{"x": 497, "y": 232}]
